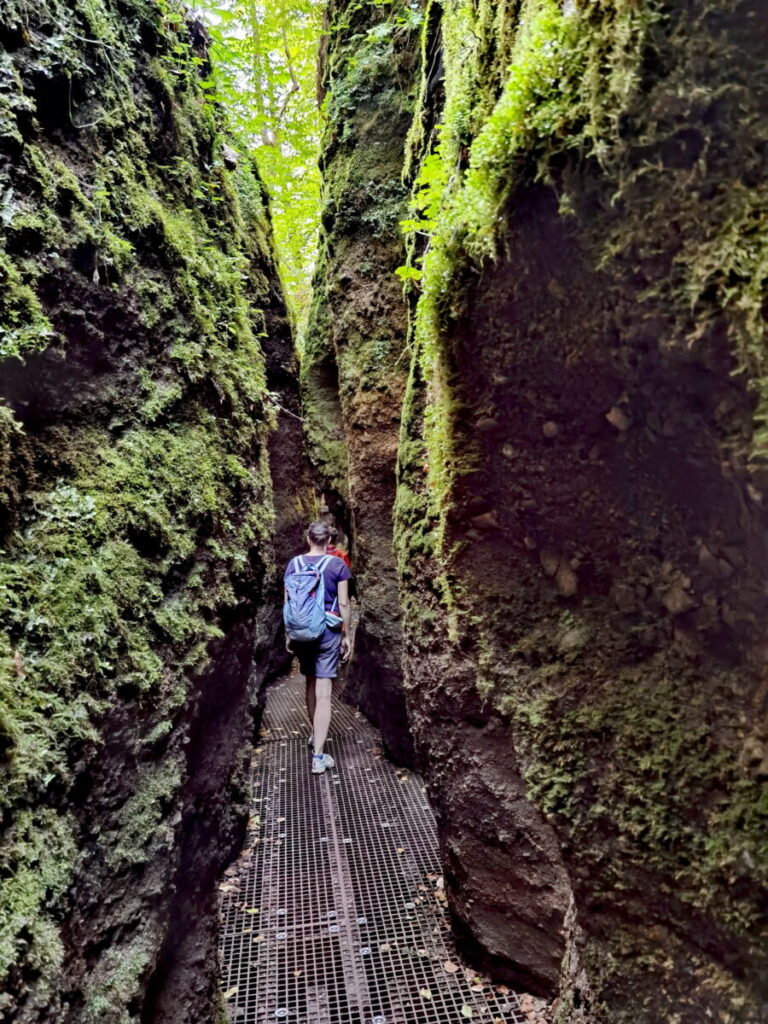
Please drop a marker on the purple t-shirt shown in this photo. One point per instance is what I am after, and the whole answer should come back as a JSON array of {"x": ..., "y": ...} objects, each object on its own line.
[{"x": 334, "y": 572}]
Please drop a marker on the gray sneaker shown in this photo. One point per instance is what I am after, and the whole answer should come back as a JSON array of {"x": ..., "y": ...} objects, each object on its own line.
[{"x": 320, "y": 762}]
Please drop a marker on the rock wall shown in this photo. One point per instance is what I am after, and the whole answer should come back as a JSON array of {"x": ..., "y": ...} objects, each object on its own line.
[
  {"x": 145, "y": 348},
  {"x": 581, "y": 513},
  {"x": 355, "y": 364},
  {"x": 580, "y": 520}
]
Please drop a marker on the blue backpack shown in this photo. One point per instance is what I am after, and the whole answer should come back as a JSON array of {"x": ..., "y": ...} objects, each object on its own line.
[{"x": 304, "y": 608}]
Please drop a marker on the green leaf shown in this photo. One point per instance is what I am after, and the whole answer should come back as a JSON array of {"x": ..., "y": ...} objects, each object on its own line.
[{"x": 408, "y": 273}]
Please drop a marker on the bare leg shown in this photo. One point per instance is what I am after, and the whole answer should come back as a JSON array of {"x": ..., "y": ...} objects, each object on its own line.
[
  {"x": 322, "y": 717},
  {"x": 311, "y": 699}
]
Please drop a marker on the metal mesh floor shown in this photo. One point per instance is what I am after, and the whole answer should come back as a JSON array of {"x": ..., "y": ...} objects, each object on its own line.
[{"x": 334, "y": 913}]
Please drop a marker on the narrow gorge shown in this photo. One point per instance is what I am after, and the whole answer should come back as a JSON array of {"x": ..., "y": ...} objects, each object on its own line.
[{"x": 530, "y": 389}]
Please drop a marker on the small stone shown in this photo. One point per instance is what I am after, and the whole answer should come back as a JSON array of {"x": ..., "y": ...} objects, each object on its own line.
[
  {"x": 676, "y": 601},
  {"x": 230, "y": 155},
  {"x": 508, "y": 450},
  {"x": 486, "y": 521},
  {"x": 754, "y": 757},
  {"x": 549, "y": 561},
  {"x": 623, "y": 597},
  {"x": 473, "y": 534},
  {"x": 754, "y": 494},
  {"x": 550, "y": 429},
  {"x": 618, "y": 418},
  {"x": 486, "y": 425},
  {"x": 566, "y": 580},
  {"x": 530, "y": 543},
  {"x": 713, "y": 566}
]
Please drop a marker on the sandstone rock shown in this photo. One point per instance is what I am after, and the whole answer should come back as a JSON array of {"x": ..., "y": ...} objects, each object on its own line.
[
  {"x": 486, "y": 520},
  {"x": 550, "y": 560},
  {"x": 677, "y": 601},
  {"x": 618, "y": 418},
  {"x": 566, "y": 580}
]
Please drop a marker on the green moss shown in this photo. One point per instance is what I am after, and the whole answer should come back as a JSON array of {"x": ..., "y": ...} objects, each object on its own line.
[
  {"x": 108, "y": 995},
  {"x": 140, "y": 511},
  {"x": 35, "y": 862},
  {"x": 644, "y": 123}
]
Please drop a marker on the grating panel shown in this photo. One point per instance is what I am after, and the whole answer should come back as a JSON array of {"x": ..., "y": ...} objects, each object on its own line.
[{"x": 334, "y": 913}]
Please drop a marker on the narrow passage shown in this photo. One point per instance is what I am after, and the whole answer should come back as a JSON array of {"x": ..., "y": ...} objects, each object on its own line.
[{"x": 334, "y": 913}]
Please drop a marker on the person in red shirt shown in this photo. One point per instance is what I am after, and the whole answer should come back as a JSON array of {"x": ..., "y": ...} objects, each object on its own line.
[{"x": 336, "y": 551}]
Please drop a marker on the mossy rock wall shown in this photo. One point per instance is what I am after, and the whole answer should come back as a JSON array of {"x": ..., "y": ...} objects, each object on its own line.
[
  {"x": 144, "y": 345},
  {"x": 581, "y": 505},
  {"x": 355, "y": 365}
]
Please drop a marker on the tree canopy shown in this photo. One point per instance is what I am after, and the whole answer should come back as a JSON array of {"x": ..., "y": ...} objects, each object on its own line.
[{"x": 264, "y": 56}]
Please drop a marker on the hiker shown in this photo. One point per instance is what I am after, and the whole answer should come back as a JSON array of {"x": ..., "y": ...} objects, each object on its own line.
[
  {"x": 316, "y": 608},
  {"x": 333, "y": 549}
]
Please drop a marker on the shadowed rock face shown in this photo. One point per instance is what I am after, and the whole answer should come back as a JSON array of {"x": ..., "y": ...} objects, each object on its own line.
[
  {"x": 580, "y": 519},
  {"x": 138, "y": 604},
  {"x": 355, "y": 366}
]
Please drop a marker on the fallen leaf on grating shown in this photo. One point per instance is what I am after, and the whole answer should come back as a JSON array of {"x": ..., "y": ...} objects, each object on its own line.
[
  {"x": 231, "y": 992},
  {"x": 466, "y": 1011},
  {"x": 449, "y": 967},
  {"x": 425, "y": 993},
  {"x": 384, "y": 947},
  {"x": 252, "y": 910},
  {"x": 400, "y": 849}
]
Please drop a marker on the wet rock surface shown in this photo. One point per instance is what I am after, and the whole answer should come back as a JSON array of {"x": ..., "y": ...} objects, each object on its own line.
[
  {"x": 580, "y": 511},
  {"x": 138, "y": 596},
  {"x": 356, "y": 365}
]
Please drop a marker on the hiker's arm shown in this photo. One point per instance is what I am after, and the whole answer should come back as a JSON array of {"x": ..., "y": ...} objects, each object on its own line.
[
  {"x": 344, "y": 611},
  {"x": 287, "y": 638}
]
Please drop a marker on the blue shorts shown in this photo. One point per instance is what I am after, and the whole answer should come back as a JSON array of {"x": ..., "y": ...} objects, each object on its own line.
[{"x": 319, "y": 657}]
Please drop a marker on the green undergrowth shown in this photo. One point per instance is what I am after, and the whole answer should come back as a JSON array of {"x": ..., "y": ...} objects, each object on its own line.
[{"x": 139, "y": 504}]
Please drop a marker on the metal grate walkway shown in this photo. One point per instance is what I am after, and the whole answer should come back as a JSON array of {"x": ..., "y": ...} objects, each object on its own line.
[{"x": 334, "y": 913}]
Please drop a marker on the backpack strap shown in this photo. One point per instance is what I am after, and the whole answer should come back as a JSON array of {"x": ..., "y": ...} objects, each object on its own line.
[
  {"x": 298, "y": 564},
  {"x": 323, "y": 562}
]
